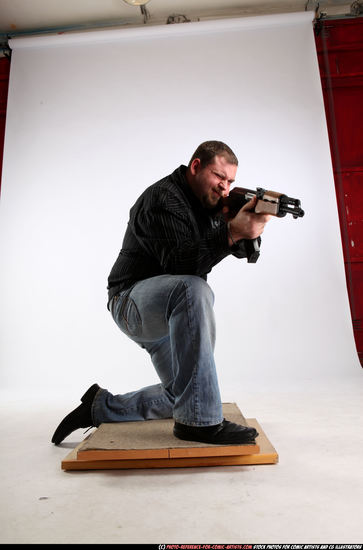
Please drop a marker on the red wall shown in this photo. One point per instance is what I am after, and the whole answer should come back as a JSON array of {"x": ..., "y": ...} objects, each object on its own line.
[
  {"x": 340, "y": 52},
  {"x": 4, "y": 82}
]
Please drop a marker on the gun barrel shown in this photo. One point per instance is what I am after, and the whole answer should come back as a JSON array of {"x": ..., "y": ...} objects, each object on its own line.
[
  {"x": 296, "y": 211},
  {"x": 289, "y": 205}
]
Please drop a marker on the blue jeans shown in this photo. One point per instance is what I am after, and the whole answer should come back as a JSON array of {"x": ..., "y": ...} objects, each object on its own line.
[{"x": 172, "y": 318}]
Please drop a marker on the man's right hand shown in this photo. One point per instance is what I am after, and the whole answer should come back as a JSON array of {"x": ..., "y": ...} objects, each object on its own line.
[{"x": 246, "y": 224}]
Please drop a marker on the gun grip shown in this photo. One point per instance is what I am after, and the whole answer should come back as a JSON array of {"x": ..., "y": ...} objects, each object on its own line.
[{"x": 252, "y": 247}]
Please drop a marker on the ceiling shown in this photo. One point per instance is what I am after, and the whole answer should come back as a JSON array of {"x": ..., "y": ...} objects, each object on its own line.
[{"x": 18, "y": 17}]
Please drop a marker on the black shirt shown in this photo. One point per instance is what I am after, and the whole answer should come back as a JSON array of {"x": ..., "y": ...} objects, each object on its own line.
[{"x": 169, "y": 231}]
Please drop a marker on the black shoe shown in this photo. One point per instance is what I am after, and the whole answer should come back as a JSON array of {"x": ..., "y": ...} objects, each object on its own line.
[
  {"x": 225, "y": 433},
  {"x": 78, "y": 418}
]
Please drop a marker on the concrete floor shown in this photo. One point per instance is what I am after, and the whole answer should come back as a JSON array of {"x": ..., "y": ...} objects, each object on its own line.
[{"x": 313, "y": 495}]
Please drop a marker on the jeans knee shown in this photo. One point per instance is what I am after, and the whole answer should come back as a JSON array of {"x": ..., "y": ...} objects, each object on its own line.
[
  {"x": 190, "y": 291},
  {"x": 198, "y": 288}
]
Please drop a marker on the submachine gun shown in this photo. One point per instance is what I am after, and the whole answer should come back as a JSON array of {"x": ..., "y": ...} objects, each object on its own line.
[{"x": 268, "y": 202}]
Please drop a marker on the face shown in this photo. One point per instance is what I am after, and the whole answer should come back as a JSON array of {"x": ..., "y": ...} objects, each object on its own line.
[{"x": 213, "y": 181}]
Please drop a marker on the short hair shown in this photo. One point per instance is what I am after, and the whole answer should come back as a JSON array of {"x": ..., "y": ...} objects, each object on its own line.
[{"x": 207, "y": 150}]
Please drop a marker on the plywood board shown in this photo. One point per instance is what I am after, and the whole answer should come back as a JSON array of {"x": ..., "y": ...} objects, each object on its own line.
[
  {"x": 155, "y": 439},
  {"x": 266, "y": 455}
]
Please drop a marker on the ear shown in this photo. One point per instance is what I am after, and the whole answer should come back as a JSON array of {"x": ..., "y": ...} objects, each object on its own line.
[{"x": 195, "y": 166}]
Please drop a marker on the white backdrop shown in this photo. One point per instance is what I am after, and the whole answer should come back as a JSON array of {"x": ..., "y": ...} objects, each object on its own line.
[{"x": 93, "y": 119}]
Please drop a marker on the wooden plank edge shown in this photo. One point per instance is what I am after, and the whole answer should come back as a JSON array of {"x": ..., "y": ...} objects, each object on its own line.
[
  {"x": 180, "y": 452},
  {"x": 122, "y": 454},
  {"x": 69, "y": 464},
  {"x": 218, "y": 450}
]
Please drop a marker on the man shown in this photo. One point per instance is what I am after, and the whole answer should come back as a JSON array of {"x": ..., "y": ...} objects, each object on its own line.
[{"x": 159, "y": 297}]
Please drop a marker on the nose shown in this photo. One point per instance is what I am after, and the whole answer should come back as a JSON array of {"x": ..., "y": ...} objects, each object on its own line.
[{"x": 224, "y": 186}]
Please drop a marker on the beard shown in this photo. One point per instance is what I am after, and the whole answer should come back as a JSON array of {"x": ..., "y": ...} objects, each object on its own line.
[{"x": 213, "y": 206}]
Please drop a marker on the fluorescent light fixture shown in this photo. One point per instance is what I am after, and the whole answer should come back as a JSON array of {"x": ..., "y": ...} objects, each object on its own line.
[{"x": 136, "y": 2}]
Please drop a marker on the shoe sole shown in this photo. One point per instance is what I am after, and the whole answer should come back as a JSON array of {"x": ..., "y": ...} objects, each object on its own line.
[{"x": 247, "y": 439}]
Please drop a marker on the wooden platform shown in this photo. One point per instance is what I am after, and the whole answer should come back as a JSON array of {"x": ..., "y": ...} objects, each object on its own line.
[{"x": 152, "y": 444}]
